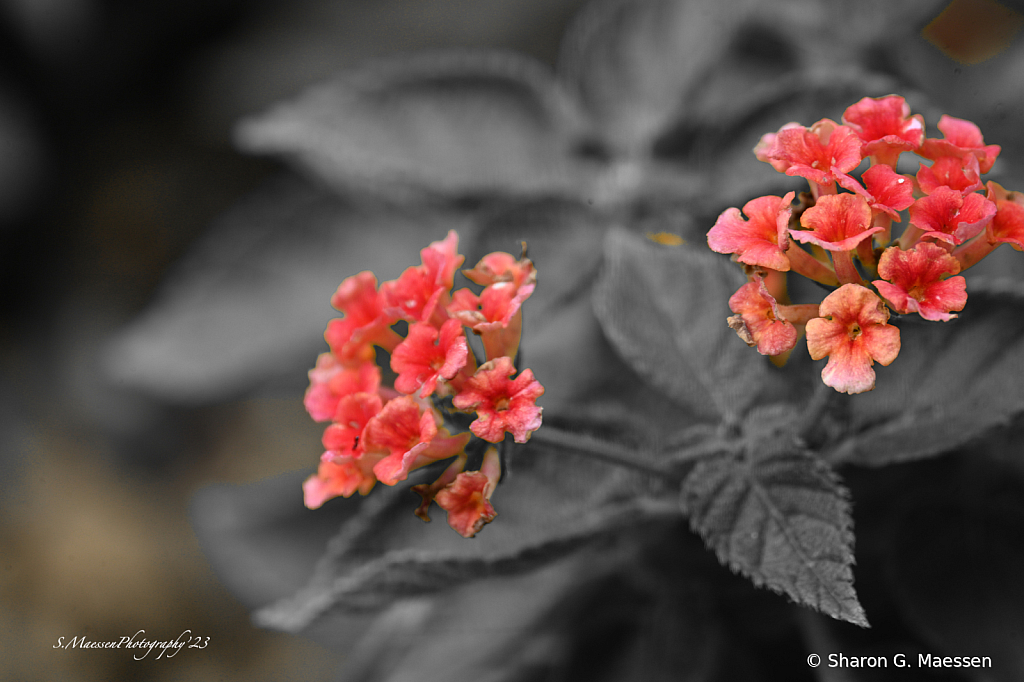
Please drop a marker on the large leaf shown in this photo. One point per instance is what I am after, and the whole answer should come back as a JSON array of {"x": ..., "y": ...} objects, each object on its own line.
[
  {"x": 779, "y": 516},
  {"x": 453, "y": 124},
  {"x": 664, "y": 310},
  {"x": 632, "y": 62},
  {"x": 952, "y": 382},
  {"x": 252, "y": 300},
  {"x": 550, "y": 504},
  {"x": 605, "y": 614}
]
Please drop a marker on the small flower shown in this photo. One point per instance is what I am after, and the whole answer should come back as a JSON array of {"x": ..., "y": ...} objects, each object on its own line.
[
  {"x": 354, "y": 412},
  {"x": 365, "y": 323},
  {"x": 853, "y": 334},
  {"x": 961, "y": 138},
  {"x": 411, "y": 437},
  {"x": 1008, "y": 223},
  {"x": 765, "y": 144},
  {"x": 502, "y": 404},
  {"x": 502, "y": 267},
  {"x": 428, "y": 492},
  {"x": 836, "y": 222},
  {"x": 885, "y": 127},
  {"x": 821, "y": 155},
  {"x": 884, "y": 189},
  {"x": 959, "y": 173},
  {"x": 760, "y": 319},
  {"x": 494, "y": 308},
  {"x": 427, "y": 356},
  {"x": 329, "y": 381},
  {"x": 421, "y": 293},
  {"x": 337, "y": 477},
  {"x": 468, "y": 498},
  {"x": 915, "y": 283},
  {"x": 948, "y": 215},
  {"x": 761, "y": 240}
]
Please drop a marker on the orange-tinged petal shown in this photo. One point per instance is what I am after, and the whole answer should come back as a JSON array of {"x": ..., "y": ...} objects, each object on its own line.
[
  {"x": 761, "y": 240},
  {"x": 502, "y": 404},
  {"x": 854, "y": 334},
  {"x": 915, "y": 281},
  {"x": 760, "y": 316},
  {"x": 836, "y": 222}
]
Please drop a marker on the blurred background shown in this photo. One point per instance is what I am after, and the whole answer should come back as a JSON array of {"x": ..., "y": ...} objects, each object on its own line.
[{"x": 115, "y": 158}]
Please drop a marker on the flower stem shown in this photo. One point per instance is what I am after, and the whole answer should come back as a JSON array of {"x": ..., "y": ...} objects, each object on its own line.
[
  {"x": 799, "y": 314},
  {"x": 846, "y": 271},
  {"x": 973, "y": 251},
  {"x": 807, "y": 265},
  {"x": 597, "y": 448}
]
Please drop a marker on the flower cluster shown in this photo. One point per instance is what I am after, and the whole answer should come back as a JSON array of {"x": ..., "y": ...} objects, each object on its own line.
[
  {"x": 379, "y": 433},
  {"x": 954, "y": 221}
]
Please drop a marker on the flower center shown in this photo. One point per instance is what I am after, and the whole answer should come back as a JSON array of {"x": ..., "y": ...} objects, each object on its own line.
[
  {"x": 855, "y": 330},
  {"x": 501, "y": 404}
]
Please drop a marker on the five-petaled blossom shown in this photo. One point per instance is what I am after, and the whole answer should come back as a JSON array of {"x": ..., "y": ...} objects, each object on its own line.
[
  {"x": 912, "y": 281},
  {"x": 885, "y": 127},
  {"x": 853, "y": 333},
  {"x": 501, "y": 403},
  {"x": 759, "y": 321},
  {"x": 955, "y": 220},
  {"x": 382, "y": 434},
  {"x": 761, "y": 240}
]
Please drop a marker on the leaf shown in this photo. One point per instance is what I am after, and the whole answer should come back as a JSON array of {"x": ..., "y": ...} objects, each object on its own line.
[
  {"x": 953, "y": 382},
  {"x": 251, "y": 301},
  {"x": 544, "y": 513},
  {"x": 664, "y": 311},
  {"x": 449, "y": 124},
  {"x": 779, "y": 517},
  {"x": 464, "y": 628},
  {"x": 632, "y": 63}
]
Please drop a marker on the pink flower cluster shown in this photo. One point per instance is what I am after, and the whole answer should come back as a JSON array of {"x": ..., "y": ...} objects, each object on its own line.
[
  {"x": 378, "y": 433},
  {"x": 954, "y": 221}
]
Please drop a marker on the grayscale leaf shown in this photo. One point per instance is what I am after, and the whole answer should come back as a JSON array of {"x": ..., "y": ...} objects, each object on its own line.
[
  {"x": 664, "y": 310},
  {"x": 543, "y": 514},
  {"x": 252, "y": 300},
  {"x": 779, "y": 517},
  {"x": 448, "y": 124}
]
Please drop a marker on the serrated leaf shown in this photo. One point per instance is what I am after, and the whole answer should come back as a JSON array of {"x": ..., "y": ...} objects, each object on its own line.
[
  {"x": 251, "y": 301},
  {"x": 779, "y": 517},
  {"x": 952, "y": 382},
  {"x": 544, "y": 514},
  {"x": 664, "y": 311},
  {"x": 449, "y": 124}
]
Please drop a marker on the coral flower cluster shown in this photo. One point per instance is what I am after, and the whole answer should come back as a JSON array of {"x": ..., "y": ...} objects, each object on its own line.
[
  {"x": 845, "y": 226},
  {"x": 379, "y": 433}
]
